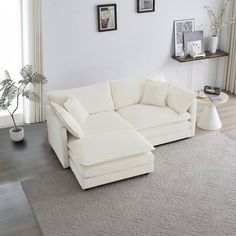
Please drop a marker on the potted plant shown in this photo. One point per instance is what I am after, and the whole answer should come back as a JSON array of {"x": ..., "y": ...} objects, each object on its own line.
[
  {"x": 11, "y": 90},
  {"x": 217, "y": 23}
]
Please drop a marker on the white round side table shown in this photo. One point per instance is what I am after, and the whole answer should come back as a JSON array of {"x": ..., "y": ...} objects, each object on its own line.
[{"x": 209, "y": 119}]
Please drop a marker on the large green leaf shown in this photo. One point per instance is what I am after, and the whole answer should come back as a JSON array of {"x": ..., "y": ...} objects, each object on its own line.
[
  {"x": 23, "y": 82},
  {"x": 6, "y": 82},
  {"x": 9, "y": 93},
  {"x": 26, "y": 72},
  {"x": 38, "y": 78},
  {"x": 4, "y": 103},
  {"x": 31, "y": 77},
  {"x": 7, "y": 75},
  {"x": 12, "y": 94}
]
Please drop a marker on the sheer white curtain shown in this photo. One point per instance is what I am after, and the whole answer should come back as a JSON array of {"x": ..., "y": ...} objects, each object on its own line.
[
  {"x": 10, "y": 43},
  {"x": 230, "y": 72},
  {"x": 32, "y": 54}
]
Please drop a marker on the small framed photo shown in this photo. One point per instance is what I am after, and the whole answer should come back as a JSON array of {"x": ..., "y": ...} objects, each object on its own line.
[
  {"x": 181, "y": 26},
  {"x": 145, "y": 6},
  {"x": 193, "y": 39},
  {"x": 107, "y": 17}
]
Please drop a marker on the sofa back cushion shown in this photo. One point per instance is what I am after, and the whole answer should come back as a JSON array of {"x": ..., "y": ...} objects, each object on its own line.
[
  {"x": 129, "y": 92},
  {"x": 126, "y": 92},
  {"x": 158, "y": 78},
  {"x": 95, "y": 98}
]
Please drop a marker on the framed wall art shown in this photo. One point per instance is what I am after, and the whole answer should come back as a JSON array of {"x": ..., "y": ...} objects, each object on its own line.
[
  {"x": 181, "y": 26},
  {"x": 145, "y": 6},
  {"x": 107, "y": 17}
]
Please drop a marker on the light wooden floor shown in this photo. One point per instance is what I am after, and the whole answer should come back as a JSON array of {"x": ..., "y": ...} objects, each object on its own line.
[{"x": 34, "y": 157}]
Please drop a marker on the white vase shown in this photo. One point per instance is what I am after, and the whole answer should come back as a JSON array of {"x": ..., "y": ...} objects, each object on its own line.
[
  {"x": 213, "y": 43},
  {"x": 18, "y": 135}
]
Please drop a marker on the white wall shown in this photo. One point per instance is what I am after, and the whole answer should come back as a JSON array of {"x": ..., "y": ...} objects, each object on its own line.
[{"x": 76, "y": 54}]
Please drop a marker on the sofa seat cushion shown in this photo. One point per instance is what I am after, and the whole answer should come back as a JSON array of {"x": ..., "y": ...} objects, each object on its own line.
[
  {"x": 105, "y": 122},
  {"x": 163, "y": 130},
  {"x": 146, "y": 116},
  {"x": 100, "y": 148},
  {"x": 112, "y": 166}
]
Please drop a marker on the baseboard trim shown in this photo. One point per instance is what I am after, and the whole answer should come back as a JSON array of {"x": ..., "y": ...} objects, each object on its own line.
[{"x": 6, "y": 121}]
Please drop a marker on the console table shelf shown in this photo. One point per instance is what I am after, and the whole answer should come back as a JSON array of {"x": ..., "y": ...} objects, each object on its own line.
[{"x": 219, "y": 53}]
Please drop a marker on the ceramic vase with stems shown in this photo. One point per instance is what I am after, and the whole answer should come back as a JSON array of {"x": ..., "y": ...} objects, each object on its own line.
[
  {"x": 217, "y": 22},
  {"x": 213, "y": 43}
]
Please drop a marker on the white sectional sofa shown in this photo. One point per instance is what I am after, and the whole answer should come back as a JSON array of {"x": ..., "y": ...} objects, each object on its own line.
[{"x": 118, "y": 123}]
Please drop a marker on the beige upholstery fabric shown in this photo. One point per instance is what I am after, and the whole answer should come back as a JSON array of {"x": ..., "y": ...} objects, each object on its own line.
[
  {"x": 145, "y": 116},
  {"x": 95, "y": 98},
  {"x": 166, "y": 129},
  {"x": 155, "y": 93},
  {"x": 180, "y": 99},
  {"x": 100, "y": 148},
  {"x": 112, "y": 166},
  {"x": 157, "y": 125},
  {"x": 105, "y": 122},
  {"x": 76, "y": 109},
  {"x": 68, "y": 121}
]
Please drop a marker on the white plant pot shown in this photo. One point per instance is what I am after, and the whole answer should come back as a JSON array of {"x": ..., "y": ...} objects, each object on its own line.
[
  {"x": 17, "y": 136},
  {"x": 213, "y": 43}
]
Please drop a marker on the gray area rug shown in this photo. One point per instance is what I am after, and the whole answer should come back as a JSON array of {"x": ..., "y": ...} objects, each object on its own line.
[{"x": 191, "y": 193}]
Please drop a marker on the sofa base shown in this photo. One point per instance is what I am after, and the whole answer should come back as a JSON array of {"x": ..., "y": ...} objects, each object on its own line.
[
  {"x": 86, "y": 183},
  {"x": 171, "y": 137}
]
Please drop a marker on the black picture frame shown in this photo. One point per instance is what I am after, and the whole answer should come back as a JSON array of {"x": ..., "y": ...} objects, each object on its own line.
[
  {"x": 107, "y": 17},
  {"x": 150, "y": 6}
]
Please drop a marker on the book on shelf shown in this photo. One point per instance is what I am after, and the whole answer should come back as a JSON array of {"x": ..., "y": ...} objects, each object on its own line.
[{"x": 215, "y": 98}]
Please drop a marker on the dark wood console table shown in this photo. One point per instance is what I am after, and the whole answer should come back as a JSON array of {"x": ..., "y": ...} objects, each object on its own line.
[{"x": 219, "y": 53}]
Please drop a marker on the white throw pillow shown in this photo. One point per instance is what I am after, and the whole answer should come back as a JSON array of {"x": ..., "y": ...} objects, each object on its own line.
[
  {"x": 126, "y": 92},
  {"x": 180, "y": 99},
  {"x": 76, "y": 109},
  {"x": 155, "y": 93},
  {"x": 158, "y": 78},
  {"x": 68, "y": 121}
]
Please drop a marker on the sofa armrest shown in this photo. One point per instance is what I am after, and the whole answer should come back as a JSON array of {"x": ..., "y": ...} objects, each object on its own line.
[
  {"x": 193, "y": 112},
  {"x": 57, "y": 136}
]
